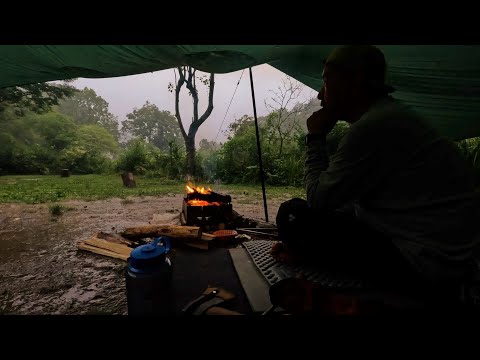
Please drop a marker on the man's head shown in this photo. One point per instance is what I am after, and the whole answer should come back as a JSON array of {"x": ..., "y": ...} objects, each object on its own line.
[{"x": 353, "y": 76}]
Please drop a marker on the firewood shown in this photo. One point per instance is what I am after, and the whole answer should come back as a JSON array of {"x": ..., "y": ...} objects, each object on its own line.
[
  {"x": 110, "y": 246},
  {"x": 173, "y": 231},
  {"x": 82, "y": 246},
  {"x": 114, "y": 238}
]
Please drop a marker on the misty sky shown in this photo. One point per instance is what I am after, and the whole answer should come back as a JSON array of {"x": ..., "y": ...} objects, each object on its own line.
[{"x": 125, "y": 93}]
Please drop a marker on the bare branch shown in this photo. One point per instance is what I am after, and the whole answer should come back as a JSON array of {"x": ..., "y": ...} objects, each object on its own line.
[
  {"x": 178, "y": 87},
  {"x": 207, "y": 112},
  {"x": 194, "y": 92}
]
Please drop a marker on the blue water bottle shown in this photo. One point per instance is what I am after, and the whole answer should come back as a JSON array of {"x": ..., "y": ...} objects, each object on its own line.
[{"x": 149, "y": 279}]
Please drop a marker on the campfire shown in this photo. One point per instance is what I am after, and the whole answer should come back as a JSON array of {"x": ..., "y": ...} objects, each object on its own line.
[
  {"x": 206, "y": 208},
  {"x": 195, "y": 192}
]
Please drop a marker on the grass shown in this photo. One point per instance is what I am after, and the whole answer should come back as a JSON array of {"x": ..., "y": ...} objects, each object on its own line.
[
  {"x": 56, "y": 209},
  {"x": 50, "y": 189}
]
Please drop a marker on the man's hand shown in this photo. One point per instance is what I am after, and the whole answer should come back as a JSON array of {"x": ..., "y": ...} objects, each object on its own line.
[{"x": 321, "y": 121}]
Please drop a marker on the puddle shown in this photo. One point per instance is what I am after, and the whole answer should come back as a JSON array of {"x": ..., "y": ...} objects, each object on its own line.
[{"x": 41, "y": 270}]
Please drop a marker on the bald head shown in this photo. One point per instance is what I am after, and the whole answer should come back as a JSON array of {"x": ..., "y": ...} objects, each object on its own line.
[{"x": 353, "y": 75}]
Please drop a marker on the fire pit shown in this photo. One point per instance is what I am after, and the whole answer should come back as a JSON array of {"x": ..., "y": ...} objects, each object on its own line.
[{"x": 206, "y": 208}]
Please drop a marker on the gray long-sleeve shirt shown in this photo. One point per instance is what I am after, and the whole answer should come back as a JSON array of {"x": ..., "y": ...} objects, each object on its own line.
[{"x": 406, "y": 181}]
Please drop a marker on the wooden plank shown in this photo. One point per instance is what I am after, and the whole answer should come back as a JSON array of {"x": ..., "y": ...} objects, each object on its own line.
[
  {"x": 82, "y": 246},
  {"x": 107, "y": 245},
  {"x": 114, "y": 238}
]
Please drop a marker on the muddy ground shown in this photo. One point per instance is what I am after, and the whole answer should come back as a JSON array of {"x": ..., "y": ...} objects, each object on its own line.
[{"x": 41, "y": 270}]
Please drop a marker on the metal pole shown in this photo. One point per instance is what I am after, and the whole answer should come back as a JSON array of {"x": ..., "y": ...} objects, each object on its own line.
[{"x": 259, "y": 150}]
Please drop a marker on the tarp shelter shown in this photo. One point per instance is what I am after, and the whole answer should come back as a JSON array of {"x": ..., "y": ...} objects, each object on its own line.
[{"x": 441, "y": 81}]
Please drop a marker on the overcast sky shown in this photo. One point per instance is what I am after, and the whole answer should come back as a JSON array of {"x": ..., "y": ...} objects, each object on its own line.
[{"x": 125, "y": 93}]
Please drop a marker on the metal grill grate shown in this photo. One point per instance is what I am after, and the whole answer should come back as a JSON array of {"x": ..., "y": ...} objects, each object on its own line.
[{"x": 274, "y": 271}]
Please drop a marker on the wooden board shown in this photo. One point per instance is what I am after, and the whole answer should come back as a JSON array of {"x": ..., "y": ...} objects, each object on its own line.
[
  {"x": 82, "y": 246},
  {"x": 110, "y": 246},
  {"x": 114, "y": 238}
]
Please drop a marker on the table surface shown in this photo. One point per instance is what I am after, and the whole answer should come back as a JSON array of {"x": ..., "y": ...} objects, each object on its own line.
[{"x": 195, "y": 270}]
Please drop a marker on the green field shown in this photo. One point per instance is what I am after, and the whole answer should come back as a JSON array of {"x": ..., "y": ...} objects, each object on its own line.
[{"x": 44, "y": 189}]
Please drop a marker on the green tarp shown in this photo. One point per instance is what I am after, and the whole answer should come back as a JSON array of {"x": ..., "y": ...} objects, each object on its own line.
[{"x": 442, "y": 81}]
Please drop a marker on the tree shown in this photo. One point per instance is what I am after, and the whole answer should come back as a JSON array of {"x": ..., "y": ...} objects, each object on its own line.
[
  {"x": 208, "y": 146},
  {"x": 207, "y": 158},
  {"x": 187, "y": 77},
  {"x": 87, "y": 108},
  {"x": 44, "y": 143},
  {"x": 90, "y": 150},
  {"x": 34, "y": 97},
  {"x": 281, "y": 120},
  {"x": 152, "y": 125},
  {"x": 240, "y": 126}
]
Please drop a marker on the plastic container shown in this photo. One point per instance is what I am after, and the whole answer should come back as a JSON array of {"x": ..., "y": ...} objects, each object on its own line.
[{"x": 148, "y": 278}]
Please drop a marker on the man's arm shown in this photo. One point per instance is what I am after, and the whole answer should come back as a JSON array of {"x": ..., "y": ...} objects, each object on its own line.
[{"x": 353, "y": 170}]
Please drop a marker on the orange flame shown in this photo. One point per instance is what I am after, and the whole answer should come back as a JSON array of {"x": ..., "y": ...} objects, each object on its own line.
[
  {"x": 201, "y": 190},
  {"x": 202, "y": 203}
]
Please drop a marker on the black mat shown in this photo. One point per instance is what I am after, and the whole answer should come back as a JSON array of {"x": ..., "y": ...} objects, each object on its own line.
[
  {"x": 195, "y": 270},
  {"x": 274, "y": 271}
]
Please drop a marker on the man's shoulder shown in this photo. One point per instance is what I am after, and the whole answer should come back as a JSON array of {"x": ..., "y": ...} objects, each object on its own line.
[
  {"x": 389, "y": 107},
  {"x": 387, "y": 114}
]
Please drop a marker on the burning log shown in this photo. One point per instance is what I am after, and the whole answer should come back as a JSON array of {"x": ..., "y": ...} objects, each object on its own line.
[{"x": 209, "y": 197}]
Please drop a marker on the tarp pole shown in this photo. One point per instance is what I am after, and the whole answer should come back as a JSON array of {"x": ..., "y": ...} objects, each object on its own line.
[{"x": 259, "y": 149}]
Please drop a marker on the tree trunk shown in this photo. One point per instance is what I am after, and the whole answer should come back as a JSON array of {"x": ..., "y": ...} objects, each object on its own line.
[
  {"x": 128, "y": 180},
  {"x": 190, "y": 146}
]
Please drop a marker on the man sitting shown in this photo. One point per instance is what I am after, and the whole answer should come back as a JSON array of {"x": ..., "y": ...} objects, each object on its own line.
[{"x": 396, "y": 201}]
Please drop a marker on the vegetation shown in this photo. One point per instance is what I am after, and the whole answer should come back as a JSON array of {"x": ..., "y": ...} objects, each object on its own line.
[
  {"x": 153, "y": 126},
  {"x": 57, "y": 209},
  {"x": 85, "y": 107},
  {"x": 51, "y": 189},
  {"x": 45, "y": 128}
]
